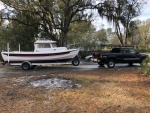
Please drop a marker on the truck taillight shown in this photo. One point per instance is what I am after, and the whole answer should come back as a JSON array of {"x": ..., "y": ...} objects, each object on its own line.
[{"x": 100, "y": 56}]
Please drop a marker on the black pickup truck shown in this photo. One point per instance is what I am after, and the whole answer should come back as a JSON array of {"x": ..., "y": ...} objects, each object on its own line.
[{"x": 118, "y": 55}]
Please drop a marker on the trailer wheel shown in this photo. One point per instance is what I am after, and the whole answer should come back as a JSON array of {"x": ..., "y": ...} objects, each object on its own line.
[
  {"x": 25, "y": 66},
  {"x": 111, "y": 63},
  {"x": 75, "y": 61}
]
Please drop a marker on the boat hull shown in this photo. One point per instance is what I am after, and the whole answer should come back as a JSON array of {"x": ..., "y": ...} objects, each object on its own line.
[{"x": 35, "y": 58}]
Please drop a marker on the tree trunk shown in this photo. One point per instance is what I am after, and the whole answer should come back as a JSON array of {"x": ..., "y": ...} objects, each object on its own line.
[
  {"x": 64, "y": 39},
  {"x": 119, "y": 34}
]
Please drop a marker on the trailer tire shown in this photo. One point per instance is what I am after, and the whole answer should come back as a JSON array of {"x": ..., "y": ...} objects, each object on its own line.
[
  {"x": 25, "y": 66},
  {"x": 75, "y": 61}
]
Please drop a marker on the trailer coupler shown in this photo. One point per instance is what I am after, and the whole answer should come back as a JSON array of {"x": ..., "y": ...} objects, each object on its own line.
[{"x": 94, "y": 60}]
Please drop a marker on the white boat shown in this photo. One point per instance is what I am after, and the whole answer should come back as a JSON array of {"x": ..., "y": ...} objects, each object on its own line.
[{"x": 45, "y": 52}]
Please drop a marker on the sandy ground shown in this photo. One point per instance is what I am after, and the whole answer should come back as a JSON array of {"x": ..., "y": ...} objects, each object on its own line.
[{"x": 119, "y": 90}]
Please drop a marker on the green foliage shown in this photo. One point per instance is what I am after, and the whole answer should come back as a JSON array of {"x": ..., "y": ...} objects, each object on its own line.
[
  {"x": 120, "y": 12},
  {"x": 81, "y": 35},
  {"x": 134, "y": 33},
  {"x": 17, "y": 34},
  {"x": 78, "y": 31},
  {"x": 66, "y": 21},
  {"x": 144, "y": 34},
  {"x": 145, "y": 67},
  {"x": 101, "y": 36},
  {"x": 51, "y": 17}
]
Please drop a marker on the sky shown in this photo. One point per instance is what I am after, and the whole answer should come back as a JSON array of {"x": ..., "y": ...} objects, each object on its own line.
[
  {"x": 1, "y": 6},
  {"x": 145, "y": 12}
]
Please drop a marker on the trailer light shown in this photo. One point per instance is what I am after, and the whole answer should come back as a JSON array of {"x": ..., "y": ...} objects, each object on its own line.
[{"x": 100, "y": 56}]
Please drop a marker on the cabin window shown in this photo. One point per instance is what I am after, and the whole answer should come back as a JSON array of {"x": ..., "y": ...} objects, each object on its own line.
[
  {"x": 47, "y": 45},
  {"x": 53, "y": 45}
]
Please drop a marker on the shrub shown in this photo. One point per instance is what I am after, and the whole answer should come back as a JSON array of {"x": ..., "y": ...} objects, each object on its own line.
[{"x": 146, "y": 67}]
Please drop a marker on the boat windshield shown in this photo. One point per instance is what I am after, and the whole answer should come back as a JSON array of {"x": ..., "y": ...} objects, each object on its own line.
[{"x": 44, "y": 45}]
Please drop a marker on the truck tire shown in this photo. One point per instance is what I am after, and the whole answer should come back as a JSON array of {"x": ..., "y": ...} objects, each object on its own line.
[
  {"x": 25, "y": 66},
  {"x": 111, "y": 63},
  {"x": 75, "y": 61}
]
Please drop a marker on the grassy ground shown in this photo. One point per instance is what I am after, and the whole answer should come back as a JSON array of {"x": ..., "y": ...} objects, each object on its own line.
[{"x": 104, "y": 91}]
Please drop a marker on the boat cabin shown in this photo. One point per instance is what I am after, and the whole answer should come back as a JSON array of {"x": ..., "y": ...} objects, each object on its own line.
[{"x": 47, "y": 45}]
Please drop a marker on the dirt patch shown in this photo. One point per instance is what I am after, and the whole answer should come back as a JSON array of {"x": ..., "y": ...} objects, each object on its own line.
[
  {"x": 54, "y": 83},
  {"x": 103, "y": 91}
]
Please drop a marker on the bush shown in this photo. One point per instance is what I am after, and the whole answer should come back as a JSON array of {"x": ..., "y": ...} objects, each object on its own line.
[
  {"x": 146, "y": 67},
  {"x": 144, "y": 50}
]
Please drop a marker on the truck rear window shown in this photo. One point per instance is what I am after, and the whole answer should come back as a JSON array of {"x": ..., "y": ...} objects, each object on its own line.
[{"x": 115, "y": 50}]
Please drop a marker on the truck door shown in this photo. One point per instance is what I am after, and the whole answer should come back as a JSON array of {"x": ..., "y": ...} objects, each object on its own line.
[
  {"x": 134, "y": 56},
  {"x": 125, "y": 55},
  {"x": 130, "y": 55}
]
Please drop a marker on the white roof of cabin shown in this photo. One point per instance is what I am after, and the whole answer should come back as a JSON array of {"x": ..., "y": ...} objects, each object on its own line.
[{"x": 44, "y": 41}]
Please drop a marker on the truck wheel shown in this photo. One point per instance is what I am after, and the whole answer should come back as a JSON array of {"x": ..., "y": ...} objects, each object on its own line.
[
  {"x": 25, "y": 66},
  {"x": 111, "y": 63},
  {"x": 75, "y": 62}
]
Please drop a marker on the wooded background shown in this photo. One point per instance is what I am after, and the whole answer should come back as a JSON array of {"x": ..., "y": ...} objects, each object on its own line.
[{"x": 69, "y": 22}]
